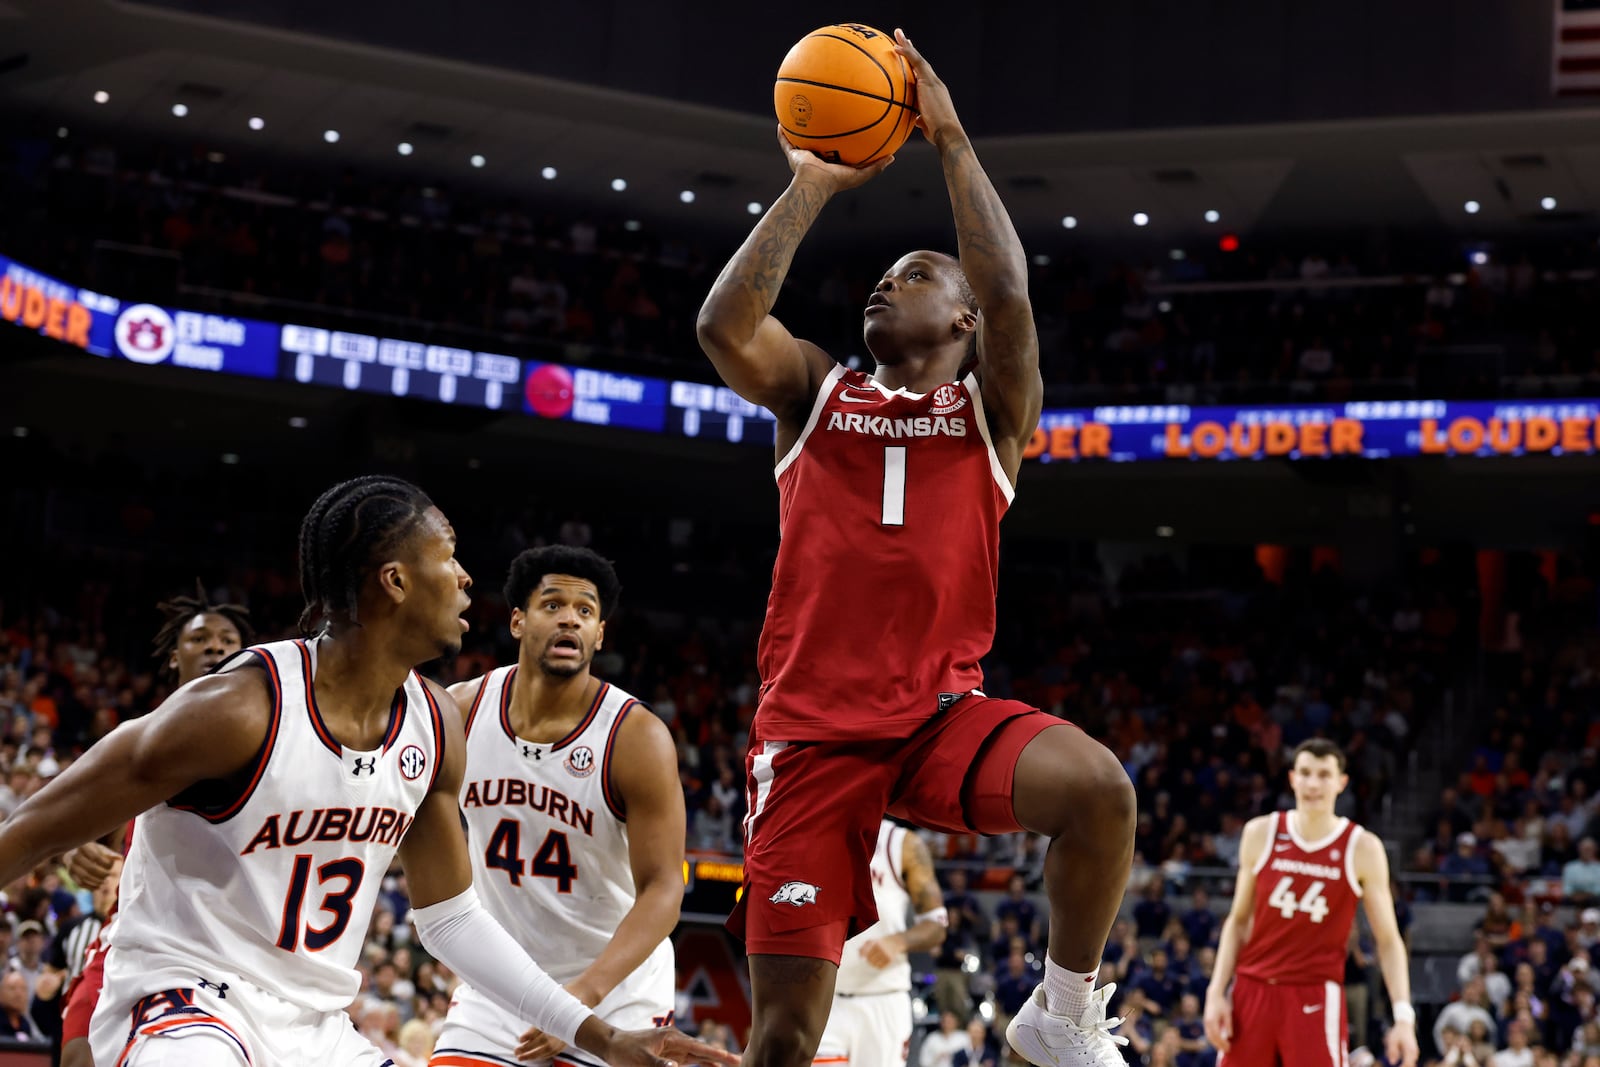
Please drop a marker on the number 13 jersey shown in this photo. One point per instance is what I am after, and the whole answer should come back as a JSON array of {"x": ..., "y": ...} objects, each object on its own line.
[
  {"x": 883, "y": 594},
  {"x": 276, "y": 883},
  {"x": 1305, "y": 901},
  {"x": 548, "y": 833}
]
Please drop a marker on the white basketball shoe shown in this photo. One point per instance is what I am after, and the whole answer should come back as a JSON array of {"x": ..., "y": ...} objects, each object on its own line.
[{"x": 1057, "y": 1041}]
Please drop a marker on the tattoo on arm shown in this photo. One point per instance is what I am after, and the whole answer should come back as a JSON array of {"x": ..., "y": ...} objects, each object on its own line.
[
  {"x": 747, "y": 289},
  {"x": 921, "y": 883}
]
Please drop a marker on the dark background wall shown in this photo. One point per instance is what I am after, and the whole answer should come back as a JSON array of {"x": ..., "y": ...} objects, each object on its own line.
[{"x": 1020, "y": 67}]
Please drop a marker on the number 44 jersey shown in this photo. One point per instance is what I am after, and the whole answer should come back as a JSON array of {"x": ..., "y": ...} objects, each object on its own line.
[
  {"x": 883, "y": 594},
  {"x": 548, "y": 834},
  {"x": 1305, "y": 900}
]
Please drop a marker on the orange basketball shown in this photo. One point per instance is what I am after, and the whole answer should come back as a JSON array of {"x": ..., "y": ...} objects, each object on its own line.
[{"x": 846, "y": 94}]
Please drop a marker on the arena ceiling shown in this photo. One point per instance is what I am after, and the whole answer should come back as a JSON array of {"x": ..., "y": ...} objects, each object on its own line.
[{"x": 56, "y": 55}]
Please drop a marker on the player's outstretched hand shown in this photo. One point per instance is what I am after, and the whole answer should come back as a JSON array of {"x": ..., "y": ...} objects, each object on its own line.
[
  {"x": 91, "y": 863},
  {"x": 664, "y": 1047},
  {"x": 839, "y": 176},
  {"x": 935, "y": 110},
  {"x": 1400, "y": 1044},
  {"x": 1219, "y": 1023}
]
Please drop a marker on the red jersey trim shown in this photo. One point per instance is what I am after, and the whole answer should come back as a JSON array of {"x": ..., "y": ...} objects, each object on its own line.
[
  {"x": 1350, "y": 862},
  {"x": 997, "y": 469},
  {"x": 824, "y": 394},
  {"x": 1266, "y": 849}
]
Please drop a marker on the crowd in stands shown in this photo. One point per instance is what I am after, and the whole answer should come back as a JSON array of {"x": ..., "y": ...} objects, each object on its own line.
[{"x": 224, "y": 231}]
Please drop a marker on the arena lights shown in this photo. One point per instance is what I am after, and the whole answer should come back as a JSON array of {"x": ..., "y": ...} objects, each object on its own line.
[
  {"x": 619, "y": 184},
  {"x": 61, "y": 131},
  {"x": 297, "y": 422},
  {"x": 1213, "y": 216},
  {"x": 1177, "y": 255},
  {"x": 231, "y": 458},
  {"x": 633, "y": 225},
  {"x": 1069, "y": 222},
  {"x": 1041, "y": 260},
  {"x": 180, "y": 110},
  {"x": 257, "y": 123},
  {"x": 1472, "y": 207},
  {"x": 331, "y": 136},
  {"x": 687, "y": 196},
  {"x": 102, "y": 97},
  {"x": 548, "y": 174},
  {"x": 478, "y": 161},
  {"x": 1164, "y": 531},
  {"x": 1479, "y": 258},
  {"x": 1164, "y": 306},
  {"x": 1548, "y": 203},
  {"x": 19, "y": 431},
  {"x": 404, "y": 148},
  {"x": 1141, "y": 219},
  {"x": 754, "y": 207}
]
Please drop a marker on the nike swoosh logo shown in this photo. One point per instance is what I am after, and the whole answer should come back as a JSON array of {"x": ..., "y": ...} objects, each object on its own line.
[
  {"x": 1310, "y": 1008},
  {"x": 849, "y": 399},
  {"x": 1281, "y": 848}
]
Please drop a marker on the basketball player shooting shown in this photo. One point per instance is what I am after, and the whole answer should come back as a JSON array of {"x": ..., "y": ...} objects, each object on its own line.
[
  {"x": 1284, "y": 950},
  {"x": 891, "y": 489},
  {"x": 575, "y": 818},
  {"x": 271, "y": 790}
]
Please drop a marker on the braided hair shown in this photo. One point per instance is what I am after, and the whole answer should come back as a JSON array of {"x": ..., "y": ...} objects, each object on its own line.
[
  {"x": 348, "y": 531},
  {"x": 180, "y": 610}
]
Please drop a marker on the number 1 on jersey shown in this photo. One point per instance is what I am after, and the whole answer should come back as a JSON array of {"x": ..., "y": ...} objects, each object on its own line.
[{"x": 894, "y": 485}]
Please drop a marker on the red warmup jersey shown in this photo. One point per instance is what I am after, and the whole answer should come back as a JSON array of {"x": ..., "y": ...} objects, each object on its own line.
[
  {"x": 1306, "y": 897},
  {"x": 884, "y": 588}
]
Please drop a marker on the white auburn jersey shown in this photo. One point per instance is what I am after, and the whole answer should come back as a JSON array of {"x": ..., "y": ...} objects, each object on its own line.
[
  {"x": 277, "y": 885},
  {"x": 857, "y": 976},
  {"x": 548, "y": 833}
]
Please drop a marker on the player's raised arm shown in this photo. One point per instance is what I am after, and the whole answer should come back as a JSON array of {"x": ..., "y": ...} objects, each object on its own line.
[
  {"x": 755, "y": 354},
  {"x": 211, "y": 729},
  {"x": 1372, "y": 871},
  {"x": 995, "y": 265},
  {"x": 453, "y": 925},
  {"x": 1235, "y": 928}
]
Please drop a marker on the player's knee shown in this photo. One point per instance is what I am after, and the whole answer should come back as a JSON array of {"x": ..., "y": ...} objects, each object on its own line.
[
  {"x": 1100, "y": 802},
  {"x": 784, "y": 1041}
]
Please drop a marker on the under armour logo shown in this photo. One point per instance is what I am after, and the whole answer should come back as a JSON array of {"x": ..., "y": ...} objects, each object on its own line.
[
  {"x": 220, "y": 987},
  {"x": 529, "y": 750},
  {"x": 365, "y": 766}
]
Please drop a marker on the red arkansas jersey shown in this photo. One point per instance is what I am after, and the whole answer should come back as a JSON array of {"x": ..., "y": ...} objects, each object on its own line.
[
  {"x": 883, "y": 594},
  {"x": 1306, "y": 897}
]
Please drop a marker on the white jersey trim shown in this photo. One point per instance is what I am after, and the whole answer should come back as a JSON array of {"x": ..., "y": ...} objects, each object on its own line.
[
  {"x": 1266, "y": 849},
  {"x": 824, "y": 394},
  {"x": 1350, "y": 862},
  {"x": 995, "y": 467},
  {"x": 1313, "y": 846}
]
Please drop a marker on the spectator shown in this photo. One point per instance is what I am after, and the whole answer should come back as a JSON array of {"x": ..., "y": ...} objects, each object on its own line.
[
  {"x": 1518, "y": 1052},
  {"x": 1199, "y": 921},
  {"x": 1580, "y": 879},
  {"x": 1016, "y": 903},
  {"x": 1013, "y": 986},
  {"x": 416, "y": 1045},
  {"x": 15, "y": 1021},
  {"x": 29, "y": 958},
  {"x": 1458, "y": 1015},
  {"x": 1464, "y": 863},
  {"x": 958, "y": 898},
  {"x": 939, "y": 1048},
  {"x": 982, "y": 1049},
  {"x": 1150, "y": 915}
]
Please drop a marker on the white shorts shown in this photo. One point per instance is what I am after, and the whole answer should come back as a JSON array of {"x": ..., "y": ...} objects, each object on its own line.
[
  {"x": 871, "y": 1030},
  {"x": 228, "y": 1022},
  {"x": 479, "y": 1033}
]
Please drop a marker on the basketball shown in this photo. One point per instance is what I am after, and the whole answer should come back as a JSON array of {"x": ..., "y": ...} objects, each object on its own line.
[{"x": 846, "y": 94}]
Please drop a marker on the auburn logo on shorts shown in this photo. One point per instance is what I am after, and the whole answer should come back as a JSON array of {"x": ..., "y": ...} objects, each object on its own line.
[{"x": 796, "y": 893}]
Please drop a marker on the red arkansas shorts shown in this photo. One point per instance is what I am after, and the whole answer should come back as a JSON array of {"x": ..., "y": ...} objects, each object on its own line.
[
  {"x": 84, "y": 994},
  {"x": 814, "y": 810},
  {"x": 1298, "y": 1025}
]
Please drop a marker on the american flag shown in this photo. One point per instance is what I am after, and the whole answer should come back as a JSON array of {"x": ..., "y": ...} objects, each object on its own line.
[{"x": 1575, "y": 57}]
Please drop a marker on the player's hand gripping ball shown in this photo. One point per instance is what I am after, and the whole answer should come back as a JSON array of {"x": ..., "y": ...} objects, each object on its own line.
[{"x": 846, "y": 94}]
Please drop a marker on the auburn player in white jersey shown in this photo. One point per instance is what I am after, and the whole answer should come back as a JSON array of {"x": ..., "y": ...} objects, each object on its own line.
[
  {"x": 274, "y": 794},
  {"x": 575, "y": 817},
  {"x": 870, "y": 1022},
  {"x": 1284, "y": 949}
]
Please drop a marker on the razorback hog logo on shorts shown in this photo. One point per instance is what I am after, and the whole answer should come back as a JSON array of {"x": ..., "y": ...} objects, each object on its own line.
[{"x": 796, "y": 893}]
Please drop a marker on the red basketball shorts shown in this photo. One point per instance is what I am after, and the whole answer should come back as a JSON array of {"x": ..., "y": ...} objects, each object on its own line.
[
  {"x": 84, "y": 995},
  {"x": 815, "y": 807},
  {"x": 1287, "y": 1025}
]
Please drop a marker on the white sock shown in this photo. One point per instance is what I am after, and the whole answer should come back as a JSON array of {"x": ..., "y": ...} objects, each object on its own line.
[{"x": 1067, "y": 992}]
